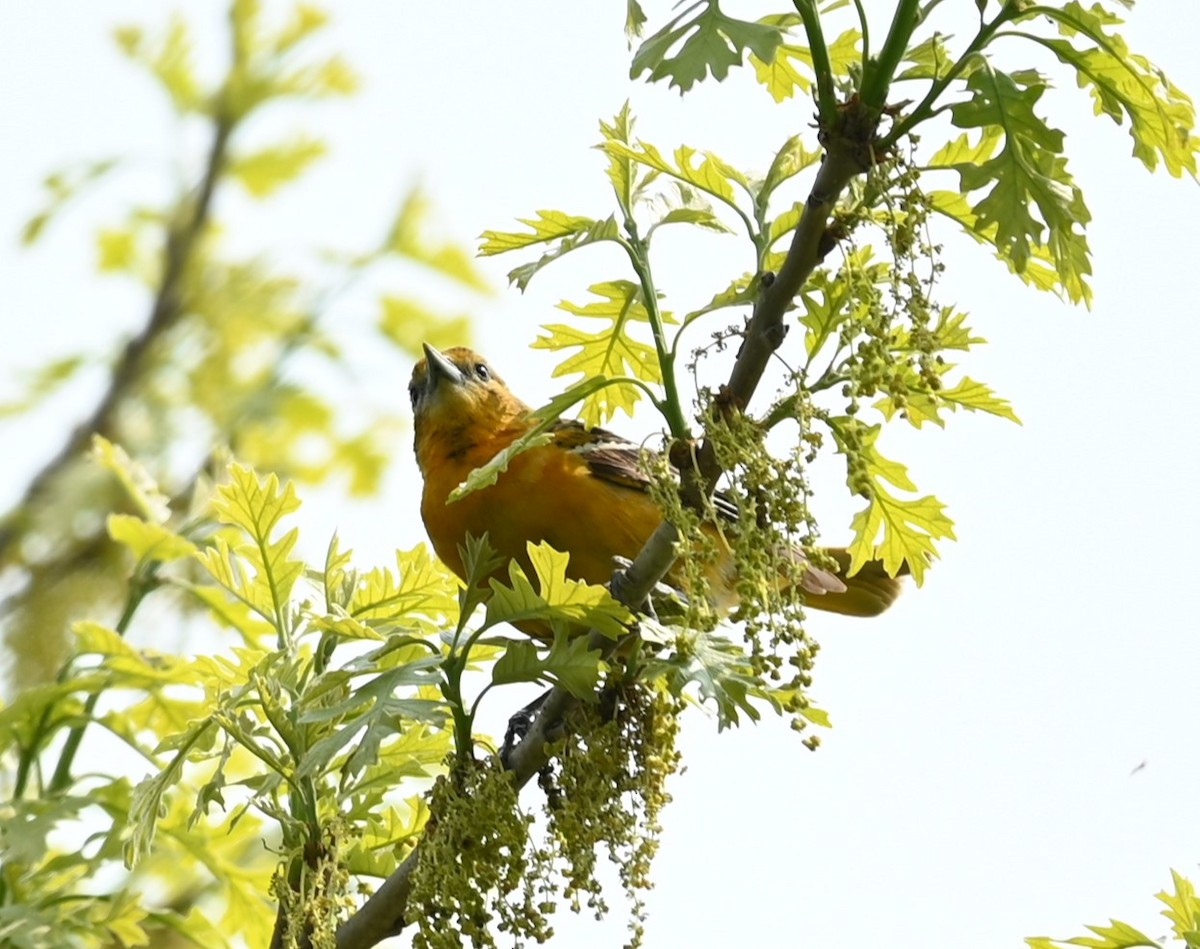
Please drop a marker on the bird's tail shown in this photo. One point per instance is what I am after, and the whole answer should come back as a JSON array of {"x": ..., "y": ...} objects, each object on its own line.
[{"x": 868, "y": 593}]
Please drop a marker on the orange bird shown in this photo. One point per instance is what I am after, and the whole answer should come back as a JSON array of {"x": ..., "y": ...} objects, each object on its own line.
[{"x": 584, "y": 493}]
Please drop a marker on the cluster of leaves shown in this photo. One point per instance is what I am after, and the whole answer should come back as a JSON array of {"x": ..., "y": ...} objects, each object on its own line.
[
  {"x": 217, "y": 362},
  {"x": 875, "y": 335},
  {"x": 1016, "y": 193},
  {"x": 344, "y": 687},
  {"x": 853, "y": 337},
  {"x": 1182, "y": 911}
]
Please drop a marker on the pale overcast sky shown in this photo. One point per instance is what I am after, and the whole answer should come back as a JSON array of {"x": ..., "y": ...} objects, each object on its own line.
[{"x": 977, "y": 785}]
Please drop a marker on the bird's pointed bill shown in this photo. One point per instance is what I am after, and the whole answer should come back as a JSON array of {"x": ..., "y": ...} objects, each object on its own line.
[{"x": 440, "y": 368}]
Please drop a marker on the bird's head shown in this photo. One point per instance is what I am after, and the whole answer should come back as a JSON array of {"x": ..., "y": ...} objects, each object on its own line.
[{"x": 458, "y": 401}]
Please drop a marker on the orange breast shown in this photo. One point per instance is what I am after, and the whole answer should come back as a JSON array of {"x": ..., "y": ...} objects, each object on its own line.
[{"x": 547, "y": 494}]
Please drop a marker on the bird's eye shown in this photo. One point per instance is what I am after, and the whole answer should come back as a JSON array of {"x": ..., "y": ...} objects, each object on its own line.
[
  {"x": 482, "y": 371},
  {"x": 414, "y": 393}
]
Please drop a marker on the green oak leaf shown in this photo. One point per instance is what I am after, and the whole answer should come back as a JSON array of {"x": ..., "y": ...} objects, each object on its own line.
[
  {"x": 705, "y": 41},
  {"x": 1029, "y": 173},
  {"x": 607, "y": 353}
]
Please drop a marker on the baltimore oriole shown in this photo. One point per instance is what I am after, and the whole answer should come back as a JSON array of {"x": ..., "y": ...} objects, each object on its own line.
[{"x": 584, "y": 492}]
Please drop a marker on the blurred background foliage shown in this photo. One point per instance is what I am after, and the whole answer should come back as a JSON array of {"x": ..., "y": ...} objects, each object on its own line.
[{"x": 239, "y": 353}]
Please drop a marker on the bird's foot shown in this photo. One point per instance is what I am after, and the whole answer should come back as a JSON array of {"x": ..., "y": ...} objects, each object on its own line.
[{"x": 519, "y": 724}]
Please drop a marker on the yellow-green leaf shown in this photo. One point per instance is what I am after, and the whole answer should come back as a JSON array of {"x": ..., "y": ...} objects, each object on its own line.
[
  {"x": 141, "y": 488},
  {"x": 122, "y": 917},
  {"x": 228, "y": 612},
  {"x": 1124, "y": 85},
  {"x": 961, "y": 150},
  {"x": 1038, "y": 271},
  {"x": 331, "y": 77},
  {"x": 605, "y": 230},
  {"x": 263, "y": 171},
  {"x": 170, "y": 61},
  {"x": 42, "y": 383},
  {"x": 703, "y": 170},
  {"x": 410, "y": 236},
  {"x": 714, "y": 665},
  {"x": 117, "y": 250},
  {"x": 789, "y": 161},
  {"x": 568, "y": 663},
  {"x": 905, "y": 530},
  {"x": 610, "y": 352},
  {"x": 486, "y": 475},
  {"x": 897, "y": 530},
  {"x": 547, "y": 226},
  {"x": 977, "y": 397},
  {"x": 408, "y": 323},
  {"x": 557, "y": 600},
  {"x": 94, "y": 639},
  {"x": 546, "y": 416},
  {"x": 61, "y": 186},
  {"x": 254, "y": 504},
  {"x": 262, "y": 572},
  {"x": 305, "y": 20},
  {"x": 622, "y": 171},
  {"x": 1028, "y": 174},
  {"x": 1183, "y": 908},
  {"x": 420, "y": 586},
  {"x": 781, "y": 76},
  {"x": 147, "y": 540}
]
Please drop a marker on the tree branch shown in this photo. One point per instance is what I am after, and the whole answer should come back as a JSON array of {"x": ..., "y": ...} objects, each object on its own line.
[
  {"x": 847, "y": 152},
  {"x": 181, "y": 240}
]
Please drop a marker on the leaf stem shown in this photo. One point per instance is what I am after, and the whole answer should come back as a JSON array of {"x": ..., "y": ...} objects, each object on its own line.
[
  {"x": 864, "y": 27},
  {"x": 138, "y": 589},
  {"x": 822, "y": 67},
  {"x": 671, "y": 405},
  {"x": 924, "y": 109},
  {"x": 877, "y": 77}
]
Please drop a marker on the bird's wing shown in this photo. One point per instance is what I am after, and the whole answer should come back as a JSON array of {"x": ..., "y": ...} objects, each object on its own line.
[
  {"x": 618, "y": 460},
  {"x": 607, "y": 455}
]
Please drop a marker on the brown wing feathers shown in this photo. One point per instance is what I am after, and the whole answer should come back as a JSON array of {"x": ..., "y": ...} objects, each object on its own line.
[{"x": 618, "y": 460}]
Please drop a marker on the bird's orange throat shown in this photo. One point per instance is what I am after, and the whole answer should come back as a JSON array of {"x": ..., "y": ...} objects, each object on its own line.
[{"x": 459, "y": 442}]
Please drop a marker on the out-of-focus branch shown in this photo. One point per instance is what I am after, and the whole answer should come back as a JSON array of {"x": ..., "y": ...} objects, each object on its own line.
[
  {"x": 181, "y": 240},
  {"x": 847, "y": 154}
]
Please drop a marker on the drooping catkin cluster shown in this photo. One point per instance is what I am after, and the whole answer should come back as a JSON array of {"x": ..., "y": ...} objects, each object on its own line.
[
  {"x": 481, "y": 872},
  {"x": 312, "y": 910},
  {"x": 772, "y": 543},
  {"x": 890, "y": 340},
  {"x": 612, "y": 787},
  {"x": 473, "y": 861},
  {"x": 871, "y": 329},
  {"x": 698, "y": 549}
]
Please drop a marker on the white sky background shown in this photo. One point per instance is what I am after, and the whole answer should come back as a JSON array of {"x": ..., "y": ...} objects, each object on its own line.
[{"x": 976, "y": 787}]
